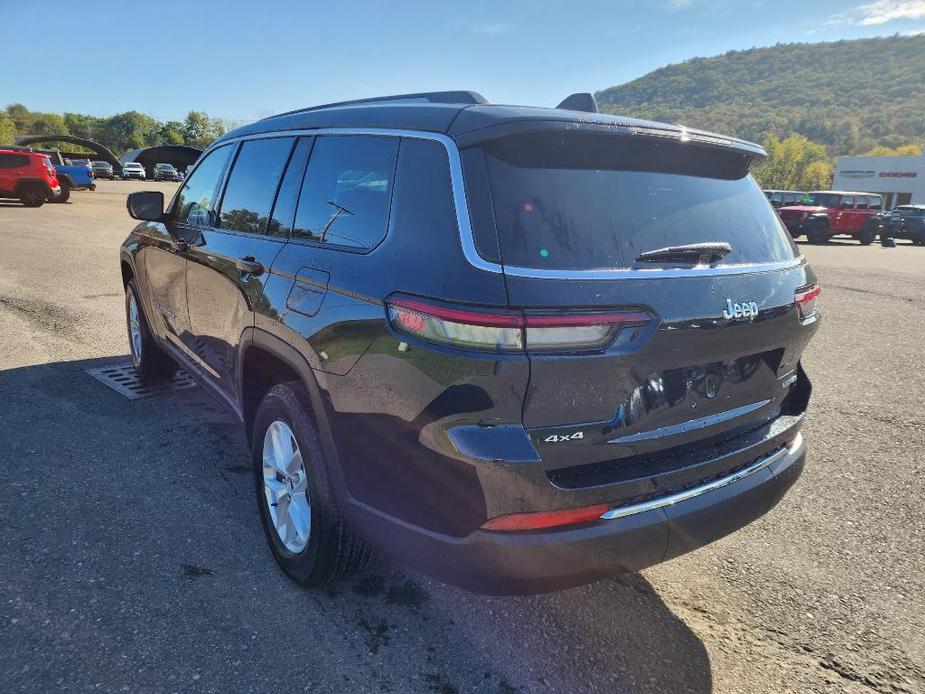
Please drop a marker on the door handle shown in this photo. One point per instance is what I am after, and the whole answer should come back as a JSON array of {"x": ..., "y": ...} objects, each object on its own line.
[{"x": 250, "y": 265}]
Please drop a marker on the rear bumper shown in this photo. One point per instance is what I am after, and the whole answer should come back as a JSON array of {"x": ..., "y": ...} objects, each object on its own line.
[{"x": 623, "y": 541}]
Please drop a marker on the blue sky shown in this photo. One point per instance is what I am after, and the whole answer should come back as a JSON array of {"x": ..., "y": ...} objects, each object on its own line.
[{"x": 245, "y": 60}]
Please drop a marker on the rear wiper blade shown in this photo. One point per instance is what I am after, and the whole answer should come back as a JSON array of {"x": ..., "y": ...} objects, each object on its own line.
[{"x": 694, "y": 253}]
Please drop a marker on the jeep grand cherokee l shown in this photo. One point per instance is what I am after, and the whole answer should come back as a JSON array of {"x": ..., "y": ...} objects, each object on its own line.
[{"x": 520, "y": 348}]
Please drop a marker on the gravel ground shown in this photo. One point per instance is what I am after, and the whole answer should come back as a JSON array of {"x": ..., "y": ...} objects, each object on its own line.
[{"x": 132, "y": 556}]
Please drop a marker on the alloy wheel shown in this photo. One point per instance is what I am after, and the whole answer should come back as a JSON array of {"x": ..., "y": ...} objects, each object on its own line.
[
  {"x": 134, "y": 329},
  {"x": 285, "y": 486}
]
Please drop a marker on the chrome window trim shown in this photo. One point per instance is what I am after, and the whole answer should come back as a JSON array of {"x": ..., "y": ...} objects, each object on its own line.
[
  {"x": 467, "y": 235},
  {"x": 671, "y": 499}
]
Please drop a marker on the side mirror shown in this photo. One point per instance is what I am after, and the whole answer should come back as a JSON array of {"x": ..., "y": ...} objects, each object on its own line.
[{"x": 146, "y": 205}]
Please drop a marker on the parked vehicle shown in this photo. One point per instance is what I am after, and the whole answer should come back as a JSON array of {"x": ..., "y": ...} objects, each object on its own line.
[
  {"x": 906, "y": 222},
  {"x": 80, "y": 162},
  {"x": 72, "y": 177},
  {"x": 133, "y": 169},
  {"x": 784, "y": 198},
  {"x": 824, "y": 214},
  {"x": 28, "y": 177},
  {"x": 103, "y": 169},
  {"x": 165, "y": 172},
  {"x": 623, "y": 387}
]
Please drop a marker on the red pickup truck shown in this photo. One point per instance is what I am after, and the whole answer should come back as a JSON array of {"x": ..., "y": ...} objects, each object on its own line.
[{"x": 823, "y": 214}]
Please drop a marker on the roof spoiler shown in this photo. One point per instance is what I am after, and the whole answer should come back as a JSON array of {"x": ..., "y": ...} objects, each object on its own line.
[{"x": 580, "y": 101}]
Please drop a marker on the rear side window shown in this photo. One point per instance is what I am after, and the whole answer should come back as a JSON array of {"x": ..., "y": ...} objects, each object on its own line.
[
  {"x": 15, "y": 161},
  {"x": 288, "y": 196},
  {"x": 876, "y": 202},
  {"x": 347, "y": 191},
  {"x": 252, "y": 184},
  {"x": 196, "y": 201},
  {"x": 589, "y": 201},
  {"x": 862, "y": 203}
]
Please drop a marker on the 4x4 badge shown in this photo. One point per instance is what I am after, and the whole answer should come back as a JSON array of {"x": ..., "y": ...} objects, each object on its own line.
[{"x": 744, "y": 310}]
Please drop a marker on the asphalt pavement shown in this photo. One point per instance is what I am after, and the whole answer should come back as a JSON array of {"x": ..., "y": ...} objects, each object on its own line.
[{"x": 132, "y": 558}]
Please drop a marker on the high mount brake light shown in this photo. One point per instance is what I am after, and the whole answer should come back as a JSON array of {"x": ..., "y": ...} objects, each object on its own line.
[
  {"x": 805, "y": 299},
  {"x": 510, "y": 331}
]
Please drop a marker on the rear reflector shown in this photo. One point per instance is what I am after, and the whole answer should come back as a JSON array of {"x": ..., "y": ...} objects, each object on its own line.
[
  {"x": 507, "y": 330},
  {"x": 806, "y": 300},
  {"x": 546, "y": 519}
]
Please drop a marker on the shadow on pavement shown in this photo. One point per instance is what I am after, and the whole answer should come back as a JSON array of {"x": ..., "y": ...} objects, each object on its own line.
[{"x": 132, "y": 556}]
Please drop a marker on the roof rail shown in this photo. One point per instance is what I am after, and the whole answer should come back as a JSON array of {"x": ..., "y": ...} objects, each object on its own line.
[{"x": 468, "y": 98}]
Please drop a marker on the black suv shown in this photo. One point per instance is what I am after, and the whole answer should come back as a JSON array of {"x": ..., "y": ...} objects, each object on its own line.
[{"x": 520, "y": 348}]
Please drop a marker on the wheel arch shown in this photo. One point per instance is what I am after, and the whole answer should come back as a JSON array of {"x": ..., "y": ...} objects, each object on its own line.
[
  {"x": 287, "y": 363},
  {"x": 31, "y": 181}
]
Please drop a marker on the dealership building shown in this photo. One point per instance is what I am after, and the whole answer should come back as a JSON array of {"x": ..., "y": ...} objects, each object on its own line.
[{"x": 901, "y": 180}]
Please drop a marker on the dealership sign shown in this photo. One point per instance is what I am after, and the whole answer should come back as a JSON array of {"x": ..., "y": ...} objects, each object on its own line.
[{"x": 870, "y": 173}]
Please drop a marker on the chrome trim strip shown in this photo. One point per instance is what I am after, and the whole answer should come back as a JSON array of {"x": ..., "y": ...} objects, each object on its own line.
[
  {"x": 467, "y": 236},
  {"x": 652, "y": 273},
  {"x": 653, "y": 504},
  {"x": 690, "y": 425}
]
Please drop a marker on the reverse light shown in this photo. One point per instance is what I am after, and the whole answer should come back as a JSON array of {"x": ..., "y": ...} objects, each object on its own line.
[
  {"x": 546, "y": 519},
  {"x": 805, "y": 299},
  {"x": 510, "y": 331}
]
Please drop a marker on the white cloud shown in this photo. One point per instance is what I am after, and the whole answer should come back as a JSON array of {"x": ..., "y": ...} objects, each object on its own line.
[{"x": 881, "y": 12}]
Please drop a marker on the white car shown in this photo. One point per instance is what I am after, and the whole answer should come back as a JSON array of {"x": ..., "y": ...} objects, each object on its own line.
[{"x": 133, "y": 170}]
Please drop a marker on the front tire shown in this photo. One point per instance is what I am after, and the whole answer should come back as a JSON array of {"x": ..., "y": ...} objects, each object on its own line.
[
  {"x": 307, "y": 533},
  {"x": 818, "y": 232},
  {"x": 869, "y": 233},
  {"x": 150, "y": 361}
]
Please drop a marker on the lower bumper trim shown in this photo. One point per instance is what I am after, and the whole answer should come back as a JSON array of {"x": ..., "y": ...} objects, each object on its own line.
[{"x": 671, "y": 499}]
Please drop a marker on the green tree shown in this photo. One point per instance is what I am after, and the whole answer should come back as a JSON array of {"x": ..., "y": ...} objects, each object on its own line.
[
  {"x": 7, "y": 129},
  {"x": 901, "y": 151},
  {"x": 794, "y": 163},
  {"x": 171, "y": 133},
  {"x": 199, "y": 130}
]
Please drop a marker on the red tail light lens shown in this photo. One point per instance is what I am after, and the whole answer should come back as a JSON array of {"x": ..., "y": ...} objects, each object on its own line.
[
  {"x": 546, "y": 519},
  {"x": 458, "y": 327},
  {"x": 806, "y": 300},
  {"x": 510, "y": 331}
]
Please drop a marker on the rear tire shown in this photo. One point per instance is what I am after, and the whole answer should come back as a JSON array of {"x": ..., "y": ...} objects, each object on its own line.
[
  {"x": 150, "y": 361},
  {"x": 32, "y": 195},
  {"x": 64, "y": 195},
  {"x": 819, "y": 232},
  {"x": 307, "y": 533}
]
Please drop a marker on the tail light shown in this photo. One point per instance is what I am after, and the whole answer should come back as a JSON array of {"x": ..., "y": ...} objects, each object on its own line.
[
  {"x": 546, "y": 519},
  {"x": 509, "y": 331},
  {"x": 806, "y": 300}
]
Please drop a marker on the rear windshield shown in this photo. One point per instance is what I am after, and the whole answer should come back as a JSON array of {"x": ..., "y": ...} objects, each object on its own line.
[{"x": 590, "y": 201}]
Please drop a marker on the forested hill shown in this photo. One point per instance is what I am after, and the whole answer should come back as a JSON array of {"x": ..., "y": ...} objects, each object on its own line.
[{"x": 848, "y": 95}]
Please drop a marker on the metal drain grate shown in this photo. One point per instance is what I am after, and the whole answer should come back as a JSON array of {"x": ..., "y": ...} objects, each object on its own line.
[{"x": 123, "y": 379}]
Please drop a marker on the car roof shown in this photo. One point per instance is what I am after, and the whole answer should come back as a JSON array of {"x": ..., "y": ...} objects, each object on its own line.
[
  {"x": 4, "y": 150},
  {"x": 910, "y": 207},
  {"x": 841, "y": 192},
  {"x": 466, "y": 116}
]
